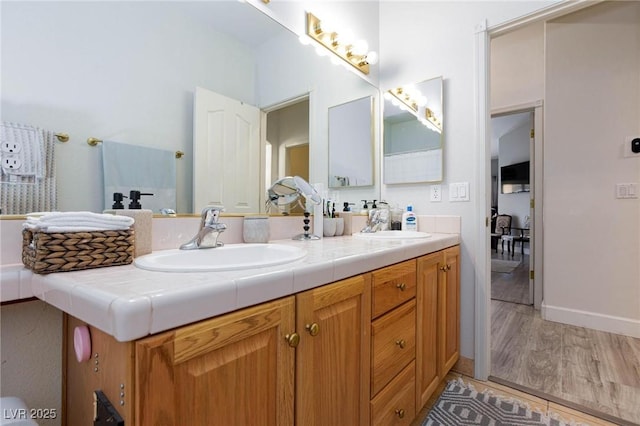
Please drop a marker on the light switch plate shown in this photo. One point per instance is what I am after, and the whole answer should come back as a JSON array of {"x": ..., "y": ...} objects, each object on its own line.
[
  {"x": 626, "y": 190},
  {"x": 459, "y": 191},
  {"x": 436, "y": 193}
]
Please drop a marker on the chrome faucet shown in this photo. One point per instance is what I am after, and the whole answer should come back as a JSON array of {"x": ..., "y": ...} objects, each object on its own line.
[
  {"x": 209, "y": 232},
  {"x": 378, "y": 219}
]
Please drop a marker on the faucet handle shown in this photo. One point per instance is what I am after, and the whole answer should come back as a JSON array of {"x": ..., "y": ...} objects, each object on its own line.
[{"x": 210, "y": 215}]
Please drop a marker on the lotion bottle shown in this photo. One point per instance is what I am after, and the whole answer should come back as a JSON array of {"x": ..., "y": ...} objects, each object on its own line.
[{"x": 409, "y": 220}]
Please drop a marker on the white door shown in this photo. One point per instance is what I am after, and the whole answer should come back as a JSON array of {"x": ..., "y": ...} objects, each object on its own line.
[{"x": 226, "y": 153}]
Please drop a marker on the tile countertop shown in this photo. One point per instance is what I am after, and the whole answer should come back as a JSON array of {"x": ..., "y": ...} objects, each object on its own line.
[{"x": 129, "y": 303}]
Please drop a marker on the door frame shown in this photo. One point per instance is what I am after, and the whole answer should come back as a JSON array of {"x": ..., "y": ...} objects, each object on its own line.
[{"x": 482, "y": 49}]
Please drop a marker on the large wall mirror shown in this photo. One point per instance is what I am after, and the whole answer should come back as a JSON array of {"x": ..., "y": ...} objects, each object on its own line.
[
  {"x": 412, "y": 137},
  {"x": 351, "y": 141},
  {"x": 137, "y": 85}
]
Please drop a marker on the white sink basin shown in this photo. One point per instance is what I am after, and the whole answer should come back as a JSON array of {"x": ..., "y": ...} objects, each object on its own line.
[
  {"x": 392, "y": 235},
  {"x": 226, "y": 258}
]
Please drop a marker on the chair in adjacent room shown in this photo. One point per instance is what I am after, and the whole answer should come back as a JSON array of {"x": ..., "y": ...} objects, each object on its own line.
[{"x": 501, "y": 229}]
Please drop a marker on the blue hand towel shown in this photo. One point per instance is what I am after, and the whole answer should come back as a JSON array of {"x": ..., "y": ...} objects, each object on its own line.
[{"x": 149, "y": 170}]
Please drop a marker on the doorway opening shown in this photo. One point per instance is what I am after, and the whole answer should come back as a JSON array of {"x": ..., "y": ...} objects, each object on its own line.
[
  {"x": 511, "y": 189},
  {"x": 286, "y": 141}
]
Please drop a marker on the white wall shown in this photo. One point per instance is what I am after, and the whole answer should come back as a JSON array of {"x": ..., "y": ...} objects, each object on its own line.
[
  {"x": 517, "y": 67},
  {"x": 514, "y": 148},
  {"x": 421, "y": 40},
  {"x": 592, "y": 101},
  {"x": 124, "y": 71}
]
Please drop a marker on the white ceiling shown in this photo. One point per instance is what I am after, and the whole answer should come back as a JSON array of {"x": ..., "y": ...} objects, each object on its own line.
[{"x": 503, "y": 125}]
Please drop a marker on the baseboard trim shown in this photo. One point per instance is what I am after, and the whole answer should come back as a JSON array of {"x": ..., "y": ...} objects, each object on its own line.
[
  {"x": 612, "y": 324},
  {"x": 465, "y": 366}
]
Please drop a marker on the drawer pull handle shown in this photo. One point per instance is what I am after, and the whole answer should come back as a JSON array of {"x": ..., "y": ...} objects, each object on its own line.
[
  {"x": 400, "y": 413},
  {"x": 292, "y": 339},
  {"x": 401, "y": 286},
  {"x": 313, "y": 329},
  {"x": 401, "y": 343}
]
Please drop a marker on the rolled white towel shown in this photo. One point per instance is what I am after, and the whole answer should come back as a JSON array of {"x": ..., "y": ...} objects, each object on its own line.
[{"x": 77, "y": 222}]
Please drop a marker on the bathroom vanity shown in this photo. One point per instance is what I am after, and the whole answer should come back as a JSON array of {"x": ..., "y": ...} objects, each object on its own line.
[{"x": 362, "y": 334}]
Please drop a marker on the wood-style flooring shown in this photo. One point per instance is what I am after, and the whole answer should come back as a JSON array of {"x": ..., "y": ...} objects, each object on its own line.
[
  {"x": 551, "y": 409},
  {"x": 587, "y": 368}
]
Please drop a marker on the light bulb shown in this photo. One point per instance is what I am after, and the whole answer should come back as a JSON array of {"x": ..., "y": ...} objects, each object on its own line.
[
  {"x": 321, "y": 51},
  {"x": 372, "y": 58},
  {"x": 360, "y": 47},
  {"x": 346, "y": 36}
]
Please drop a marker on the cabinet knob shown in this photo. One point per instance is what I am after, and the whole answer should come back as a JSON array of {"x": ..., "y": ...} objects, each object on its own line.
[
  {"x": 448, "y": 267},
  {"x": 401, "y": 343},
  {"x": 292, "y": 339},
  {"x": 401, "y": 286},
  {"x": 400, "y": 413},
  {"x": 313, "y": 329},
  {"x": 443, "y": 268}
]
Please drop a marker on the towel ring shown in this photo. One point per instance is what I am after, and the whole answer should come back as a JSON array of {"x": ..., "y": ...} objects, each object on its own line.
[{"x": 62, "y": 137}]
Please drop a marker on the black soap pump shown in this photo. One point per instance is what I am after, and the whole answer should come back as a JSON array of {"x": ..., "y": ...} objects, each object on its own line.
[
  {"x": 134, "y": 195},
  {"x": 117, "y": 201}
]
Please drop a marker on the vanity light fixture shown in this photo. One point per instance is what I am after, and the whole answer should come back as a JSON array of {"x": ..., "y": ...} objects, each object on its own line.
[
  {"x": 433, "y": 120},
  {"x": 404, "y": 98},
  {"x": 355, "y": 53}
]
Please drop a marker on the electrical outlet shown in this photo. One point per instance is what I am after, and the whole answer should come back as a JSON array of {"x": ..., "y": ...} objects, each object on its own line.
[
  {"x": 11, "y": 163},
  {"x": 11, "y": 147},
  {"x": 436, "y": 193}
]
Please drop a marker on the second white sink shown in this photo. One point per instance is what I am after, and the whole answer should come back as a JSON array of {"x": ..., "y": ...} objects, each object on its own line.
[{"x": 227, "y": 258}]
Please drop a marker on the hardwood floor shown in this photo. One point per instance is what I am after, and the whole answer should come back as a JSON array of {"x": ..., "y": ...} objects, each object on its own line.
[
  {"x": 545, "y": 406},
  {"x": 595, "y": 370}
]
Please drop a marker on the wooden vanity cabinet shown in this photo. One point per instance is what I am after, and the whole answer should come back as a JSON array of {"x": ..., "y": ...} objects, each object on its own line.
[
  {"x": 449, "y": 311},
  {"x": 236, "y": 369},
  {"x": 393, "y": 344},
  {"x": 301, "y": 359},
  {"x": 367, "y": 350},
  {"x": 332, "y": 365},
  {"x": 438, "y": 320}
]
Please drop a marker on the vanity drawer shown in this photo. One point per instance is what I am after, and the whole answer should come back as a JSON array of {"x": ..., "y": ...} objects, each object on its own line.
[
  {"x": 392, "y": 286},
  {"x": 396, "y": 404},
  {"x": 393, "y": 341}
]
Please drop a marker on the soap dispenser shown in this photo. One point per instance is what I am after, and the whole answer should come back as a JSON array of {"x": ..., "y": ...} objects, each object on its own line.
[
  {"x": 134, "y": 196},
  {"x": 117, "y": 201}
]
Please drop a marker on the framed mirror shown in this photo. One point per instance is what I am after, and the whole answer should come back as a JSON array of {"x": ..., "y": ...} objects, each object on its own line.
[
  {"x": 351, "y": 141},
  {"x": 412, "y": 133}
]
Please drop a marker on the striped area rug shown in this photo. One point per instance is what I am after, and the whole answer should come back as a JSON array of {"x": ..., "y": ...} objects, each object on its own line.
[{"x": 460, "y": 405}]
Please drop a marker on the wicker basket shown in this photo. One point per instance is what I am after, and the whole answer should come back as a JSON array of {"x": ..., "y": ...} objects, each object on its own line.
[{"x": 72, "y": 251}]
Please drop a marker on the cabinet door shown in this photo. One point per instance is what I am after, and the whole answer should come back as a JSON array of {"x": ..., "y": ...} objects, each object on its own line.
[
  {"x": 449, "y": 310},
  {"x": 427, "y": 372},
  {"x": 236, "y": 369},
  {"x": 332, "y": 365}
]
